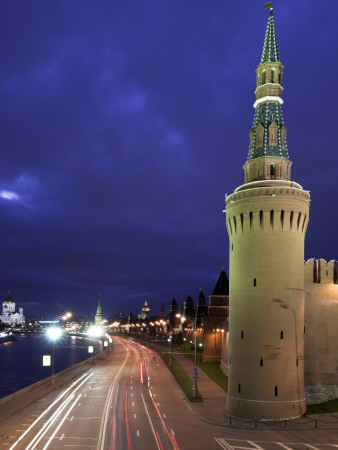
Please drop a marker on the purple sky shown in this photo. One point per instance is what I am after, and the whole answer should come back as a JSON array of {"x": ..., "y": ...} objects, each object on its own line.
[{"x": 124, "y": 123}]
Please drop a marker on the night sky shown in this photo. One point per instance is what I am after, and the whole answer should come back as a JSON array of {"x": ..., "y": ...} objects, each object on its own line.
[{"x": 124, "y": 123}]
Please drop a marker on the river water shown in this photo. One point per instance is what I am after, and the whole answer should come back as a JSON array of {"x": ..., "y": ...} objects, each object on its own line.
[{"x": 21, "y": 360}]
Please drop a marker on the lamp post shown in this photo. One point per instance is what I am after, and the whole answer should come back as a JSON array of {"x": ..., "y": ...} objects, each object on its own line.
[
  {"x": 195, "y": 374},
  {"x": 53, "y": 333},
  {"x": 171, "y": 348}
]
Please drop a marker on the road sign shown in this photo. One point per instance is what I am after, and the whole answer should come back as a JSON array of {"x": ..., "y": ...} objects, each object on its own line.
[
  {"x": 195, "y": 368},
  {"x": 195, "y": 375}
]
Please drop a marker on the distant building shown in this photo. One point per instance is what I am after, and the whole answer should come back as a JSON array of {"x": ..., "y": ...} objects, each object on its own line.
[
  {"x": 98, "y": 316},
  {"x": 9, "y": 316},
  {"x": 145, "y": 311}
]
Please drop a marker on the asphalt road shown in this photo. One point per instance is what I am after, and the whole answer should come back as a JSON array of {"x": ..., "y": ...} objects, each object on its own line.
[{"x": 129, "y": 400}]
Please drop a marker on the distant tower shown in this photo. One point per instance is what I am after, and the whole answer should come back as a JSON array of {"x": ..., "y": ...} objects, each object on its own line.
[
  {"x": 266, "y": 221},
  {"x": 98, "y": 316},
  {"x": 162, "y": 312},
  {"x": 145, "y": 311}
]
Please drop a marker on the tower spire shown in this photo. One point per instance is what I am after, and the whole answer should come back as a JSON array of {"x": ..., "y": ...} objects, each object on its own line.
[
  {"x": 268, "y": 156},
  {"x": 270, "y": 47}
]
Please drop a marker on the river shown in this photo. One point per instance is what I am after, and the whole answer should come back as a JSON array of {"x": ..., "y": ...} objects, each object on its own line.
[{"x": 21, "y": 360}]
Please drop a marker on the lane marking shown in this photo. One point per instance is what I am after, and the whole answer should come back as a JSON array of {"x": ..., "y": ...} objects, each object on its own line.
[{"x": 86, "y": 376}]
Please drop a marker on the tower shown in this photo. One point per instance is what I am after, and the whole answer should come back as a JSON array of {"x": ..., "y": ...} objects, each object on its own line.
[
  {"x": 98, "y": 315},
  {"x": 266, "y": 220}
]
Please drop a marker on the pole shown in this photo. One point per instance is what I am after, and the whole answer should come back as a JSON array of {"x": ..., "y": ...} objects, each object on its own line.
[
  {"x": 52, "y": 381},
  {"x": 195, "y": 391}
]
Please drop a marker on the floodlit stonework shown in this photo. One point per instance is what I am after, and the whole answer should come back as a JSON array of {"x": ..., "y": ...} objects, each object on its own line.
[{"x": 283, "y": 336}]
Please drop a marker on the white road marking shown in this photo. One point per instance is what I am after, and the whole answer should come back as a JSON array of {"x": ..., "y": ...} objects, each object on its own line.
[
  {"x": 138, "y": 433},
  {"x": 71, "y": 418},
  {"x": 62, "y": 436},
  {"x": 164, "y": 416},
  {"x": 133, "y": 403},
  {"x": 255, "y": 445},
  {"x": 132, "y": 395},
  {"x": 158, "y": 404},
  {"x": 173, "y": 432},
  {"x": 135, "y": 416}
]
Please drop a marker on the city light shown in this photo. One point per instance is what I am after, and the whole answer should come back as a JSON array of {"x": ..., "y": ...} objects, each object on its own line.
[
  {"x": 54, "y": 333},
  {"x": 95, "y": 331}
]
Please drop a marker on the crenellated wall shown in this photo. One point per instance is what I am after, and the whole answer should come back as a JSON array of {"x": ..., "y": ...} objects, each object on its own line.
[{"x": 321, "y": 330}]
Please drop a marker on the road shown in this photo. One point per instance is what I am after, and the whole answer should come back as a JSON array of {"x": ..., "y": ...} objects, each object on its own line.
[{"x": 129, "y": 400}]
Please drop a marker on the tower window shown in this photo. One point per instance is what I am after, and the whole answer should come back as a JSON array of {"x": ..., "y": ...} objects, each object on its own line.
[
  {"x": 251, "y": 218},
  {"x": 271, "y": 217},
  {"x": 232, "y": 247},
  {"x": 297, "y": 362},
  {"x": 273, "y": 166},
  {"x": 282, "y": 334},
  {"x": 239, "y": 388},
  {"x": 276, "y": 391},
  {"x": 264, "y": 77},
  {"x": 242, "y": 334},
  {"x": 282, "y": 217},
  {"x": 261, "y": 362},
  {"x": 272, "y": 75},
  {"x": 304, "y": 221},
  {"x": 298, "y": 220},
  {"x": 291, "y": 219},
  {"x": 261, "y": 218},
  {"x": 255, "y": 282}
]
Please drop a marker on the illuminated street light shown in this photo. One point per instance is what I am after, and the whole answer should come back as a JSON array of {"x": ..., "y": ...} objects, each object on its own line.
[
  {"x": 195, "y": 374},
  {"x": 95, "y": 331},
  {"x": 53, "y": 333}
]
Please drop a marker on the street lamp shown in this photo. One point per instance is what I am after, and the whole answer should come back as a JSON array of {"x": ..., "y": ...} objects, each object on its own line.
[
  {"x": 53, "y": 333},
  {"x": 195, "y": 375},
  {"x": 171, "y": 348}
]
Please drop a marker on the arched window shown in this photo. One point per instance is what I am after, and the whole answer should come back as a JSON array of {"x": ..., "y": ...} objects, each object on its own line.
[
  {"x": 276, "y": 391},
  {"x": 264, "y": 77},
  {"x": 261, "y": 362},
  {"x": 242, "y": 334}
]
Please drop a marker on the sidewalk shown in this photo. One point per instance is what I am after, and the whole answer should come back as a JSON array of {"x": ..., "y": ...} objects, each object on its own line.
[{"x": 212, "y": 409}]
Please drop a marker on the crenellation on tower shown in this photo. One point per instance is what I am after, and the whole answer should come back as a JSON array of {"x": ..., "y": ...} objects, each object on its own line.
[{"x": 266, "y": 219}]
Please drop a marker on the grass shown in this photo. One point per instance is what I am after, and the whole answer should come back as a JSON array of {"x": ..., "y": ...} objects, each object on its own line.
[
  {"x": 214, "y": 371},
  {"x": 180, "y": 376},
  {"x": 323, "y": 408}
]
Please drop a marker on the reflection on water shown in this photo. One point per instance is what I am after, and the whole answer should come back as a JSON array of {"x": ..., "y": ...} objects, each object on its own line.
[{"x": 21, "y": 360}]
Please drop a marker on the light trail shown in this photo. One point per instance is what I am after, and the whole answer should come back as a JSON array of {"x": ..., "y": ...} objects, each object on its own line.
[
  {"x": 102, "y": 433},
  {"x": 37, "y": 438},
  {"x": 151, "y": 424},
  {"x": 62, "y": 421},
  {"x": 48, "y": 409}
]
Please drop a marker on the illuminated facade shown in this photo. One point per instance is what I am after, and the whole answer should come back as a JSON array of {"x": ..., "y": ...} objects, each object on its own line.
[
  {"x": 266, "y": 220},
  {"x": 8, "y": 315}
]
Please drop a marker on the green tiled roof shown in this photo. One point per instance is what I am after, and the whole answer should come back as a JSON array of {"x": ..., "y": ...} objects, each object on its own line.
[
  {"x": 265, "y": 114},
  {"x": 270, "y": 48}
]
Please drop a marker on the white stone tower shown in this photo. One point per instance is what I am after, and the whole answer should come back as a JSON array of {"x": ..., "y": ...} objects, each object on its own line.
[{"x": 266, "y": 220}]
